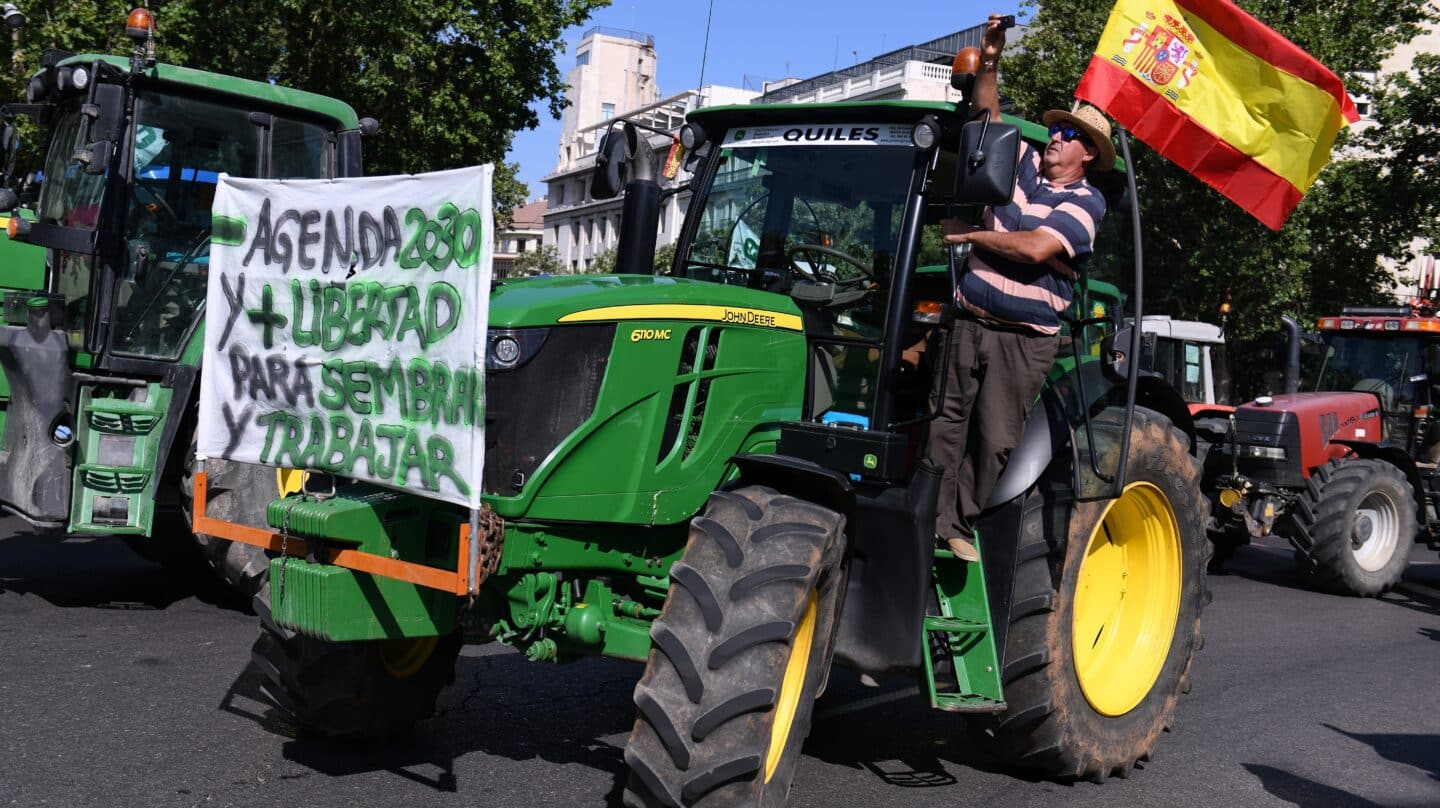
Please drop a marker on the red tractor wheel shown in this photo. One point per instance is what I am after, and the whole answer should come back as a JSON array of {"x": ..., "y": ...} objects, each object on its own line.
[{"x": 1354, "y": 526}]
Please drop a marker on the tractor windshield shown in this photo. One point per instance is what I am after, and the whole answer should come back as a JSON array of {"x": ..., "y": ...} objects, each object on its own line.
[
  {"x": 1384, "y": 364},
  {"x": 182, "y": 145},
  {"x": 817, "y": 214},
  {"x": 817, "y": 218}
]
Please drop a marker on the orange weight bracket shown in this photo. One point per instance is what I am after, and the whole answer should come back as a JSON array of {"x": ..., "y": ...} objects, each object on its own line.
[{"x": 457, "y": 582}]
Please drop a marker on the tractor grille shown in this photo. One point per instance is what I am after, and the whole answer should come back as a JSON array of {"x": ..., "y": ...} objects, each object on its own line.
[
  {"x": 531, "y": 408},
  {"x": 682, "y": 423}
]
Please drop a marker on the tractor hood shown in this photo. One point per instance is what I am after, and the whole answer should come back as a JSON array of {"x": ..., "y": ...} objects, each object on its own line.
[
  {"x": 1344, "y": 406},
  {"x": 574, "y": 299}
]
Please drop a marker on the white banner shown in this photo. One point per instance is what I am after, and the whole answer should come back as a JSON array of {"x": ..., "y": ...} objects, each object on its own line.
[{"x": 345, "y": 328}]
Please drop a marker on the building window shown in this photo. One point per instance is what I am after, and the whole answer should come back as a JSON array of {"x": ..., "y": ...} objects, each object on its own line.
[
  {"x": 559, "y": 194},
  {"x": 519, "y": 245},
  {"x": 607, "y": 111},
  {"x": 582, "y": 58}
]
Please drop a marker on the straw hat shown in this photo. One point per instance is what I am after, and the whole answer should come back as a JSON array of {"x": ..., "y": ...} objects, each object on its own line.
[{"x": 1093, "y": 123}]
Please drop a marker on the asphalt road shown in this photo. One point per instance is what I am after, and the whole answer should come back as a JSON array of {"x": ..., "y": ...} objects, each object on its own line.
[{"x": 122, "y": 685}]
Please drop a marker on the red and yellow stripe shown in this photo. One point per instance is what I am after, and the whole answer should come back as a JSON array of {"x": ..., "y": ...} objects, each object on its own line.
[{"x": 1244, "y": 109}]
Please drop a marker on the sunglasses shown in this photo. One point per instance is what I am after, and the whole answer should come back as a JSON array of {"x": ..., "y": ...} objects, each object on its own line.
[{"x": 1069, "y": 133}]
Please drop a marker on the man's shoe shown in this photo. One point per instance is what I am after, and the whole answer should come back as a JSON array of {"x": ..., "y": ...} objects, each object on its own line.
[{"x": 963, "y": 549}]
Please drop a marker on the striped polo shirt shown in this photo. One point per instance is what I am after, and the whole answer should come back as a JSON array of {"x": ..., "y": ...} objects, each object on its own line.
[{"x": 1034, "y": 295}]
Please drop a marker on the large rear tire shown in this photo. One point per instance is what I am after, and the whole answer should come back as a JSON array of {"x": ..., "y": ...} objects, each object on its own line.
[
  {"x": 373, "y": 689},
  {"x": 741, "y": 650},
  {"x": 1106, "y": 616},
  {"x": 1354, "y": 526}
]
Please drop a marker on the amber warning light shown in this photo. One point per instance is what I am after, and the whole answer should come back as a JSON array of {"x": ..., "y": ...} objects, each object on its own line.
[
  {"x": 17, "y": 228},
  {"x": 140, "y": 24},
  {"x": 967, "y": 63}
]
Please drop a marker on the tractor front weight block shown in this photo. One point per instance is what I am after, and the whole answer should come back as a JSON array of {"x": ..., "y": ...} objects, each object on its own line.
[{"x": 365, "y": 563}]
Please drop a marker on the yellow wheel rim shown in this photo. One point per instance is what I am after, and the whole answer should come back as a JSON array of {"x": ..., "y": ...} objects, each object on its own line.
[
  {"x": 792, "y": 688},
  {"x": 289, "y": 481},
  {"x": 404, "y": 658},
  {"x": 1127, "y": 599}
]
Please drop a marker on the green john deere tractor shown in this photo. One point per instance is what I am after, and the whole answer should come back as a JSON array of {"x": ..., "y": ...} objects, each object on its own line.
[
  {"x": 104, "y": 310},
  {"x": 719, "y": 471}
]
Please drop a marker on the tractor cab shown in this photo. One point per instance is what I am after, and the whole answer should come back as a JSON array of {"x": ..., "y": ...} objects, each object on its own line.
[
  {"x": 838, "y": 208},
  {"x": 102, "y": 354},
  {"x": 1393, "y": 354}
]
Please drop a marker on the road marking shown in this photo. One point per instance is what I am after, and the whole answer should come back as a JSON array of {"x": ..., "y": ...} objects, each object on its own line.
[{"x": 865, "y": 704}]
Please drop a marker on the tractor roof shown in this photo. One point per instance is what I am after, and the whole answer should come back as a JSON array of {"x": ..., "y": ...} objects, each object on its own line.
[
  {"x": 1398, "y": 323},
  {"x": 243, "y": 90},
  {"x": 730, "y": 115}
]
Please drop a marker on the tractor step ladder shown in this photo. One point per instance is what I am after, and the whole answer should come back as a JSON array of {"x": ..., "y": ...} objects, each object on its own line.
[{"x": 961, "y": 636}]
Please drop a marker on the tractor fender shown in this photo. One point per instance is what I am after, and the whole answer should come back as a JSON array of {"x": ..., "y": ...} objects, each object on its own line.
[
  {"x": 1395, "y": 456},
  {"x": 802, "y": 479},
  {"x": 1048, "y": 432}
]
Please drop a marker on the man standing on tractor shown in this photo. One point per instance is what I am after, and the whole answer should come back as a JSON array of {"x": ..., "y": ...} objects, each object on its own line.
[{"x": 1024, "y": 259}]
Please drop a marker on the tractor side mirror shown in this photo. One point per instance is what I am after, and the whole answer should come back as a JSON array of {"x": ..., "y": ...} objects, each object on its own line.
[
  {"x": 9, "y": 146},
  {"x": 1115, "y": 353},
  {"x": 610, "y": 166},
  {"x": 105, "y": 125},
  {"x": 1432, "y": 360},
  {"x": 986, "y": 164},
  {"x": 96, "y": 156}
]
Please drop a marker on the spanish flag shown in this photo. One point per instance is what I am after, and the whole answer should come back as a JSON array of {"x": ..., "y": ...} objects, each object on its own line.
[{"x": 1224, "y": 97}]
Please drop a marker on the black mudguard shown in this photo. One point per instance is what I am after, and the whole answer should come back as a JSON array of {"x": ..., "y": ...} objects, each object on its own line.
[
  {"x": 891, "y": 532},
  {"x": 892, "y": 553},
  {"x": 35, "y": 471}
]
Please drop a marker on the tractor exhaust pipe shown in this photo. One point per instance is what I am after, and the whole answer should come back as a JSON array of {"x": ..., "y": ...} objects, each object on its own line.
[
  {"x": 640, "y": 213},
  {"x": 1292, "y": 355}
]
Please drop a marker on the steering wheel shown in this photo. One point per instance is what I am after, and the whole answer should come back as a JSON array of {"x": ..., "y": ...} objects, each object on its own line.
[
  {"x": 828, "y": 252},
  {"x": 160, "y": 201}
]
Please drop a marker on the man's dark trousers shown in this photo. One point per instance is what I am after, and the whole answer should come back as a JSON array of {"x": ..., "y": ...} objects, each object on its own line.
[{"x": 995, "y": 374}]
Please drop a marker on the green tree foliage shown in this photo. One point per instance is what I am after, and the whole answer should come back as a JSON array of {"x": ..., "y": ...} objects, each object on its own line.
[
  {"x": 544, "y": 261},
  {"x": 449, "y": 81},
  {"x": 1370, "y": 203},
  {"x": 604, "y": 263}
]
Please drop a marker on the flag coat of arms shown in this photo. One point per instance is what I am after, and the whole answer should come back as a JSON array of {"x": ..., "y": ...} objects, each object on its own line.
[{"x": 1221, "y": 95}]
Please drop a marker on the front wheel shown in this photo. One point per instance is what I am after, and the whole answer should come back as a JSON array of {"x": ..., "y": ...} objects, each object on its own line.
[
  {"x": 240, "y": 493},
  {"x": 374, "y": 689},
  {"x": 1354, "y": 525},
  {"x": 1106, "y": 615},
  {"x": 741, "y": 650}
]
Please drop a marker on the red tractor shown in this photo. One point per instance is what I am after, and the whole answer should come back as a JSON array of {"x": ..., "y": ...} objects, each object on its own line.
[{"x": 1347, "y": 473}]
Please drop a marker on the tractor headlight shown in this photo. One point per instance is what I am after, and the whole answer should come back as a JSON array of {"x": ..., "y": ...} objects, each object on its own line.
[
  {"x": 926, "y": 133},
  {"x": 506, "y": 350},
  {"x": 509, "y": 348},
  {"x": 80, "y": 78},
  {"x": 692, "y": 136},
  {"x": 1268, "y": 452}
]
